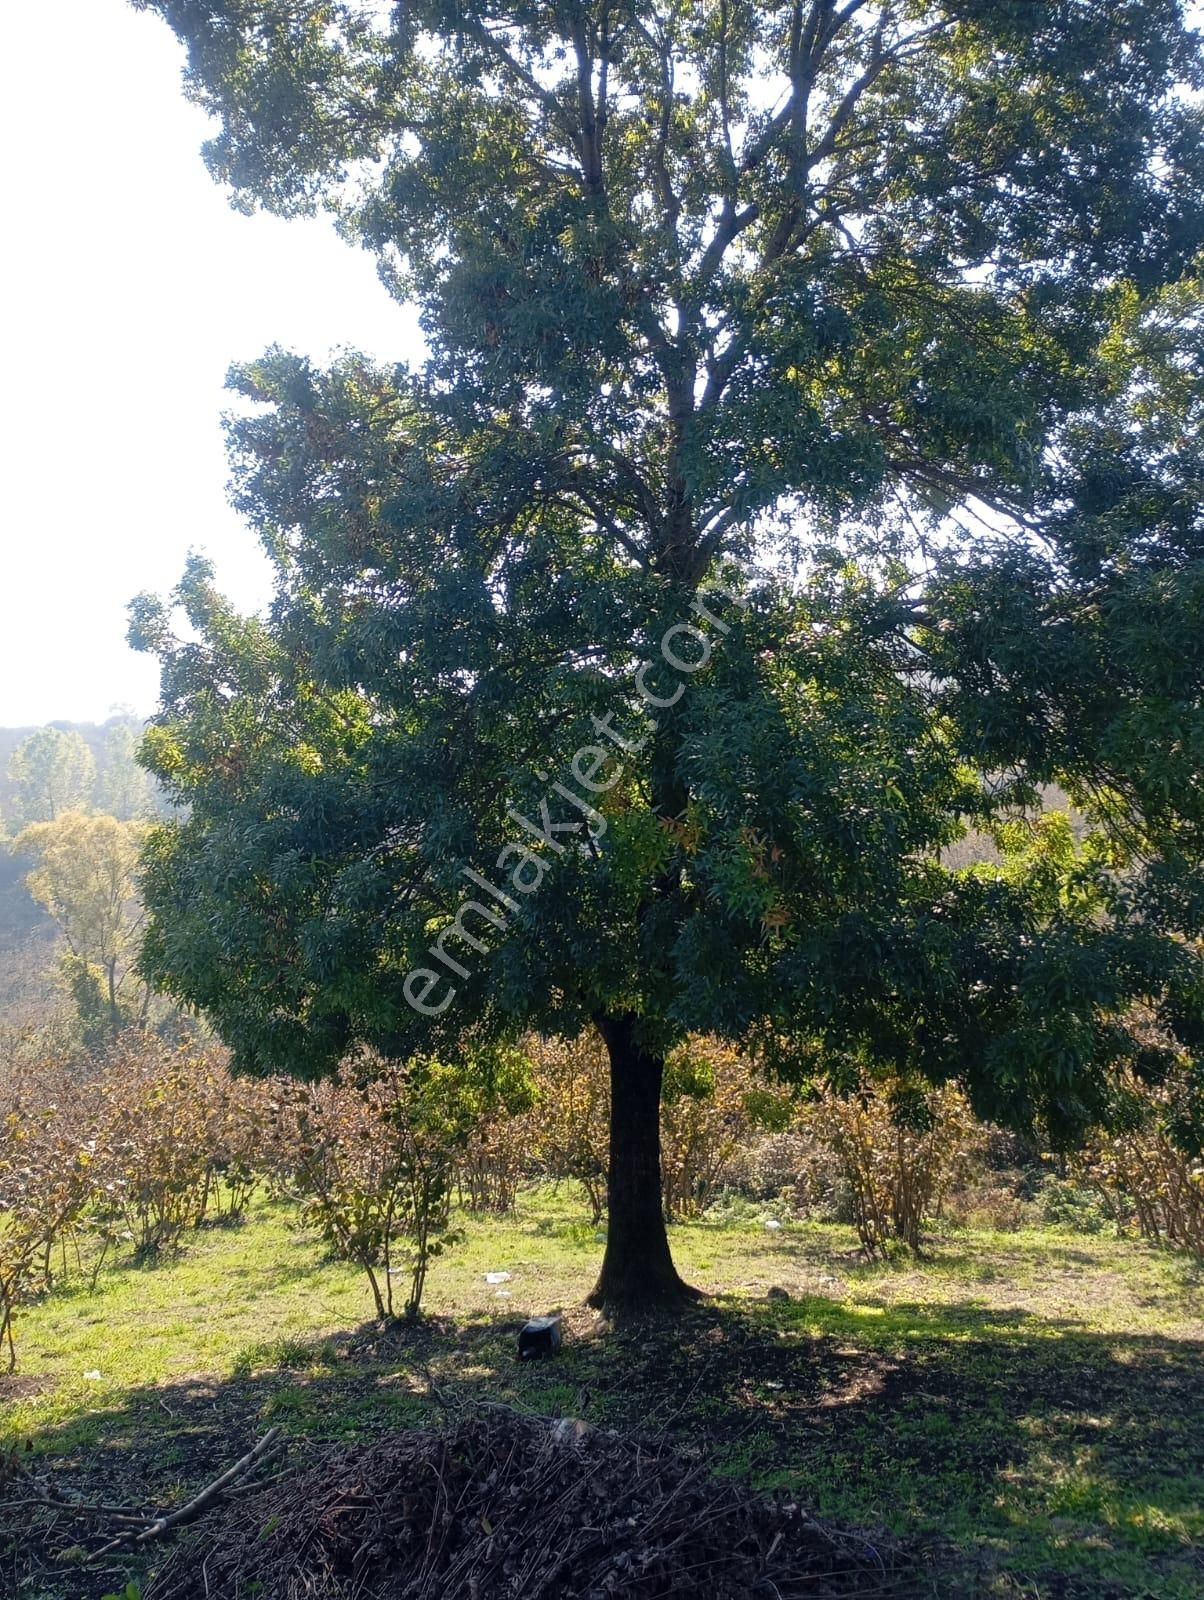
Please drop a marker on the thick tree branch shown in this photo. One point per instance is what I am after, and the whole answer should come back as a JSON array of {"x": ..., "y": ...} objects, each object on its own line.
[{"x": 550, "y": 105}]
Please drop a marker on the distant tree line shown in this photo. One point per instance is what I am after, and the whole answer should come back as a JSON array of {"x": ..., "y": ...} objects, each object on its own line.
[{"x": 64, "y": 767}]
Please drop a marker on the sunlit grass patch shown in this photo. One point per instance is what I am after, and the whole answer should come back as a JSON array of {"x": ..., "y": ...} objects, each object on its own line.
[{"x": 1030, "y": 1401}]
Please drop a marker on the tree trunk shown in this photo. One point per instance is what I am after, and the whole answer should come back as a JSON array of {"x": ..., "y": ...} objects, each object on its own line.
[
  {"x": 637, "y": 1270},
  {"x": 114, "y": 1010}
]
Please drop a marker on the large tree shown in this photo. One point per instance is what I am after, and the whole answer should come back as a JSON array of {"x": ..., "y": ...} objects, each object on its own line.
[{"x": 805, "y": 466}]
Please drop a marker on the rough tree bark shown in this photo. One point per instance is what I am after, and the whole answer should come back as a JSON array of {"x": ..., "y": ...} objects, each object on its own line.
[{"x": 637, "y": 1269}]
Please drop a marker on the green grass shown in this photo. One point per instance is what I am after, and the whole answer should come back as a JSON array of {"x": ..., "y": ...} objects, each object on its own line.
[{"x": 1026, "y": 1408}]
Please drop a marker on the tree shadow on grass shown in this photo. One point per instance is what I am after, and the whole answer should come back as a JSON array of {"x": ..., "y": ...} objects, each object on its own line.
[{"x": 1034, "y": 1457}]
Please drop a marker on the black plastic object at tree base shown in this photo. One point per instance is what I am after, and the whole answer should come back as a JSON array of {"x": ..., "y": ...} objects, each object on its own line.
[{"x": 540, "y": 1337}]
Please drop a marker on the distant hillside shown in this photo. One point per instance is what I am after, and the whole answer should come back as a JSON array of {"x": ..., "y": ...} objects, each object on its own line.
[
  {"x": 27, "y": 942},
  {"x": 20, "y": 918}
]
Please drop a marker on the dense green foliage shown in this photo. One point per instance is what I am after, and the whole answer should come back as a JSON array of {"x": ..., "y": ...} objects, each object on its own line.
[{"x": 883, "y": 319}]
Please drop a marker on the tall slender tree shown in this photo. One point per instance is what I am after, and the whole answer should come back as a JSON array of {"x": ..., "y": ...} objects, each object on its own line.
[
  {"x": 805, "y": 465},
  {"x": 124, "y": 789}
]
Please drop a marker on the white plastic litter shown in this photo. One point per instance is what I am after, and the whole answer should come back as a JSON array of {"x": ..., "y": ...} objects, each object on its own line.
[
  {"x": 773, "y": 1225},
  {"x": 498, "y": 1277}
]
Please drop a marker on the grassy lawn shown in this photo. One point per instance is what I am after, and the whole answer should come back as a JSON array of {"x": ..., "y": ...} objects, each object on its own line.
[{"x": 1026, "y": 1408}]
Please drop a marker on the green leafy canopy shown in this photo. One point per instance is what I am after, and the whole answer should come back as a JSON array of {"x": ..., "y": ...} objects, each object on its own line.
[{"x": 884, "y": 319}]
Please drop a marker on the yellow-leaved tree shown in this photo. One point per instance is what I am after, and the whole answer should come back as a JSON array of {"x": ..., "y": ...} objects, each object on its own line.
[{"x": 85, "y": 874}]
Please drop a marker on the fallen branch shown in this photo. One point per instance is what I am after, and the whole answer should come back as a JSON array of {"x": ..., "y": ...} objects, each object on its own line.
[
  {"x": 131, "y": 1525},
  {"x": 167, "y": 1522}
]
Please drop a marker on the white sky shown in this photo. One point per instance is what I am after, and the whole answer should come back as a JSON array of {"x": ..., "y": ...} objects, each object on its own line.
[{"x": 128, "y": 288}]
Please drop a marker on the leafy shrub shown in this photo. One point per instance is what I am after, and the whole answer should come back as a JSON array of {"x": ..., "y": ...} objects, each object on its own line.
[
  {"x": 1063, "y": 1204},
  {"x": 732, "y": 1206},
  {"x": 376, "y": 1153}
]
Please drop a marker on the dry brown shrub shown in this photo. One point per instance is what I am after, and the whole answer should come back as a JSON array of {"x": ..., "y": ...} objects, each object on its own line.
[
  {"x": 132, "y": 1149},
  {"x": 570, "y": 1122},
  {"x": 771, "y": 1166},
  {"x": 993, "y": 1206},
  {"x": 495, "y": 1160},
  {"x": 711, "y": 1110},
  {"x": 1149, "y": 1167},
  {"x": 706, "y": 1119},
  {"x": 900, "y": 1149},
  {"x": 175, "y": 1140},
  {"x": 46, "y": 1165}
]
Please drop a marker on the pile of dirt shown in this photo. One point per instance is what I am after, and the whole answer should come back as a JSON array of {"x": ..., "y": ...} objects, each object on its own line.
[{"x": 503, "y": 1505}]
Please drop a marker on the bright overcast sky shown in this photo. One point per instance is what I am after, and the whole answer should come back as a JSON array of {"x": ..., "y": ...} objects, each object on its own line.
[{"x": 129, "y": 288}]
